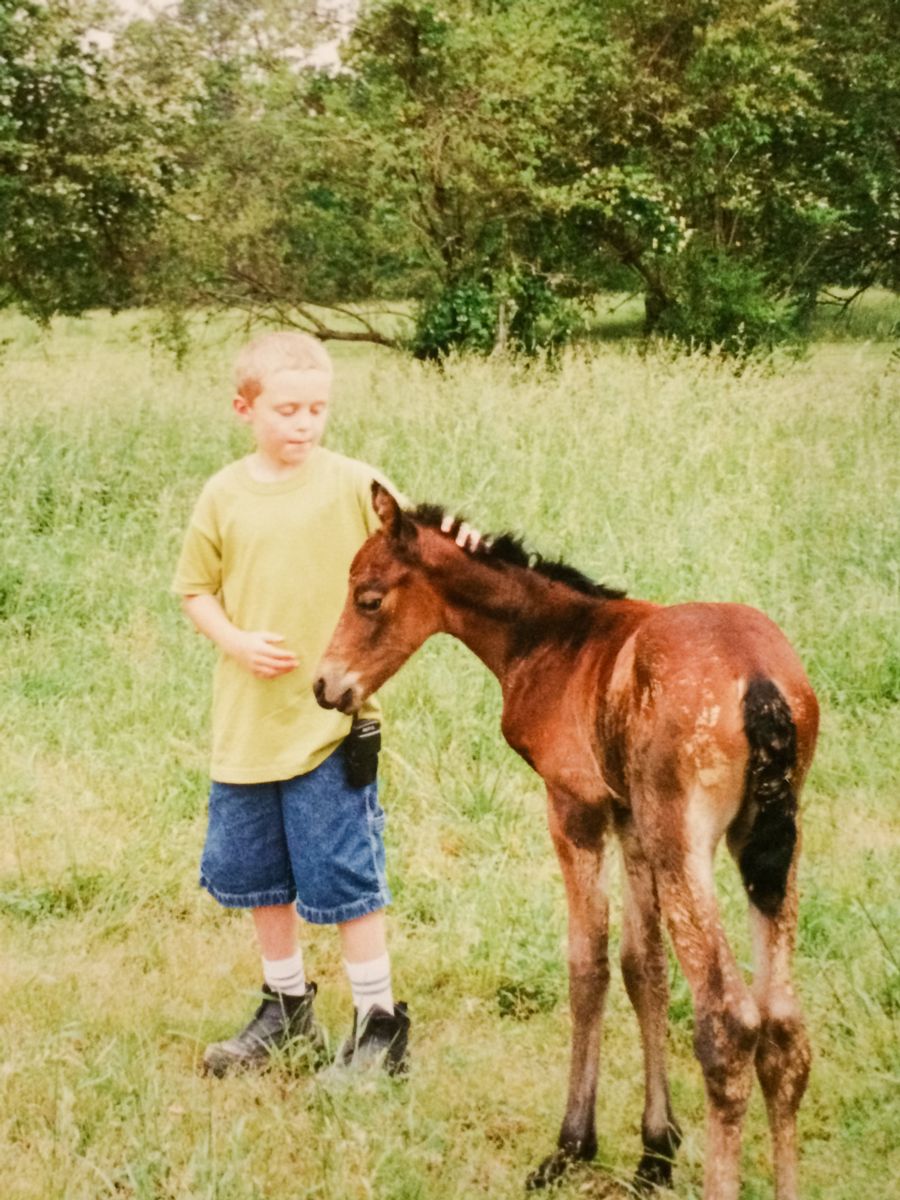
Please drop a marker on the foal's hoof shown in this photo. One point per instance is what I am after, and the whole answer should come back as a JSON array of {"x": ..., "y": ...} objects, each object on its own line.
[
  {"x": 551, "y": 1169},
  {"x": 655, "y": 1168},
  {"x": 653, "y": 1172}
]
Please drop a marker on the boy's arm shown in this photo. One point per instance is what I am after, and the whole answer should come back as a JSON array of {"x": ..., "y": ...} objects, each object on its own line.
[{"x": 257, "y": 651}]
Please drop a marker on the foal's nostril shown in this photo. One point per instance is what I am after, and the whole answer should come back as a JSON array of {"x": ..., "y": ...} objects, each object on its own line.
[{"x": 319, "y": 689}]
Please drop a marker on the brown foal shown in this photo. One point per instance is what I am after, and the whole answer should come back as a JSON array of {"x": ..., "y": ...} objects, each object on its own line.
[{"x": 668, "y": 726}]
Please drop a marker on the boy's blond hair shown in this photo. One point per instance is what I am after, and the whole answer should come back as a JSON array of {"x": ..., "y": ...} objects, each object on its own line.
[{"x": 272, "y": 352}]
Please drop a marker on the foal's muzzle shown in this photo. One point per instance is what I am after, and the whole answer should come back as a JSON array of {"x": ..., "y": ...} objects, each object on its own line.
[{"x": 335, "y": 691}]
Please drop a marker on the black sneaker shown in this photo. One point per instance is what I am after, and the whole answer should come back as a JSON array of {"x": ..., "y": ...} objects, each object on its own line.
[
  {"x": 381, "y": 1039},
  {"x": 279, "y": 1021}
]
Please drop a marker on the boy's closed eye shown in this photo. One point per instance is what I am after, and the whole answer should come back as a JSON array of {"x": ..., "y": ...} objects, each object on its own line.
[{"x": 291, "y": 410}]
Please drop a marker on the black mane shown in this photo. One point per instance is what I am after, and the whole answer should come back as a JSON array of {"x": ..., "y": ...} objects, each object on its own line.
[{"x": 506, "y": 549}]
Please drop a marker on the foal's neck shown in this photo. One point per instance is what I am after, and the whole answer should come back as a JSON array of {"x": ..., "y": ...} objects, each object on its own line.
[{"x": 503, "y": 613}]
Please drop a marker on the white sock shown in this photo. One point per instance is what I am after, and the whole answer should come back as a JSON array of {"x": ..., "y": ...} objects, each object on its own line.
[
  {"x": 370, "y": 983},
  {"x": 286, "y": 975}
]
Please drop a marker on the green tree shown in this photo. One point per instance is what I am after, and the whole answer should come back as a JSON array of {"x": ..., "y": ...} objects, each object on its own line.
[
  {"x": 82, "y": 168},
  {"x": 730, "y": 157},
  {"x": 459, "y": 108},
  {"x": 275, "y": 212},
  {"x": 497, "y": 161},
  {"x": 696, "y": 180},
  {"x": 560, "y": 143},
  {"x": 855, "y": 164}
]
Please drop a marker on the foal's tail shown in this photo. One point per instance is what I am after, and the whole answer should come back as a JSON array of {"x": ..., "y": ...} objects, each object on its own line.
[{"x": 769, "y": 797}]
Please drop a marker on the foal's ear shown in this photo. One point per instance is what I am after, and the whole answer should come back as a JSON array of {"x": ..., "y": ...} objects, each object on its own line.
[{"x": 386, "y": 508}]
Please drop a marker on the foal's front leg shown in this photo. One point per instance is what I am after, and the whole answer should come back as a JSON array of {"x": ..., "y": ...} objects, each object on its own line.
[
  {"x": 579, "y": 834},
  {"x": 645, "y": 970}
]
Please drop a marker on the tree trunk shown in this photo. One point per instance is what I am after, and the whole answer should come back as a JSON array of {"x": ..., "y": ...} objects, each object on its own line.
[{"x": 655, "y": 304}]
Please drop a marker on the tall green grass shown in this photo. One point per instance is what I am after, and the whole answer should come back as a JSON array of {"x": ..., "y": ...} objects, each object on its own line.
[{"x": 674, "y": 477}]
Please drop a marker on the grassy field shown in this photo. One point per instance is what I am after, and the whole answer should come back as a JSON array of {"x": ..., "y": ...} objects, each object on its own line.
[{"x": 674, "y": 477}]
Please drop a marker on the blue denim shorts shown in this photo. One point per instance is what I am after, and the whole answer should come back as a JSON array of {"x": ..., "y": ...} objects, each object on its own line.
[{"x": 313, "y": 839}]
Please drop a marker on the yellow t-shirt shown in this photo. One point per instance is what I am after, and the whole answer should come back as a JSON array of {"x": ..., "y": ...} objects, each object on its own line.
[{"x": 277, "y": 556}]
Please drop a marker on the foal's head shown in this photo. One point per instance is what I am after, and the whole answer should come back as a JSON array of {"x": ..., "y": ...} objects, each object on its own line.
[
  {"x": 421, "y": 574},
  {"x": 389, "y": 612}
]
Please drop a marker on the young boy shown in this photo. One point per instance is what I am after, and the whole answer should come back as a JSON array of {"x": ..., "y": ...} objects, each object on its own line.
[{"x": 295, "y": 825}]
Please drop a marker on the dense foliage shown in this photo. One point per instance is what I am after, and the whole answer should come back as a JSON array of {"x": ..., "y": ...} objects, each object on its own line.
[
  {"x": 83, "y": 169},
  {"x": 497, "y": 162}
]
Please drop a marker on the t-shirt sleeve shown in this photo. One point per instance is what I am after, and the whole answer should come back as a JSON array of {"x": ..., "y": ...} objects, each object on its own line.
[{"x": 199, "y": 569}]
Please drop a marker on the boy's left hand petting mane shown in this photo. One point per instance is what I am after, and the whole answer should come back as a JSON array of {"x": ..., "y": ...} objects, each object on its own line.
[{"x": 466, "y": 537}]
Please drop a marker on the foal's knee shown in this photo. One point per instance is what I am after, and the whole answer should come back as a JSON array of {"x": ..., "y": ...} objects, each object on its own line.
[
  {"x": 725, "y": 1040},
  {"x": 783, "y": 1057},
  {"x": 643, "y": 964}
]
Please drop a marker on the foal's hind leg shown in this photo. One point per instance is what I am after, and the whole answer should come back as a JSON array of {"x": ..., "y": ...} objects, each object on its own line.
[
  {"x": 579, "y": 835},
  {"x": 765, "y": 840},
  {"x": 645, "y": 971},
  {"x": 782, "y": 1053},
  {"x": 726, "y": 1019}
]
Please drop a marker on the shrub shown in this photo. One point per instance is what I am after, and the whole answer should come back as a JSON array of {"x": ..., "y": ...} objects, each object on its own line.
[
  {"x": 463, "y": 317},
  {"x": 518, "y": 312},
  {"x": 720, "y": 301}
]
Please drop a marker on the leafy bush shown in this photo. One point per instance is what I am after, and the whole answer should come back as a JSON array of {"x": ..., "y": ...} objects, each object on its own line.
[
  {"x": 539, "y": 319},
  {"x": 518, "y": 312},
  {"x": 720, "y": 301},
  {"x": 464, "y": 317}
]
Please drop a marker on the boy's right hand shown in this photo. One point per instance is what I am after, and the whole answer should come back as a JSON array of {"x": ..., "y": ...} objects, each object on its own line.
[{"x": 259, "y": 653}]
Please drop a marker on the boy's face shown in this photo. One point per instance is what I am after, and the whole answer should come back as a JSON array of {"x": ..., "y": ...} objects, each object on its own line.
[{"x": 288, "y": 417}]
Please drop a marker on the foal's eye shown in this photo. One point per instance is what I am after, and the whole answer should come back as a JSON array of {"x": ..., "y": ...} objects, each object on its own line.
[{"x": 369, "y": 603}]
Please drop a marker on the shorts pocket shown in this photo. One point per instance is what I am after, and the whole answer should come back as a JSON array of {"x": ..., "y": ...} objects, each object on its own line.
[{"x": 374, "y": 812}]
